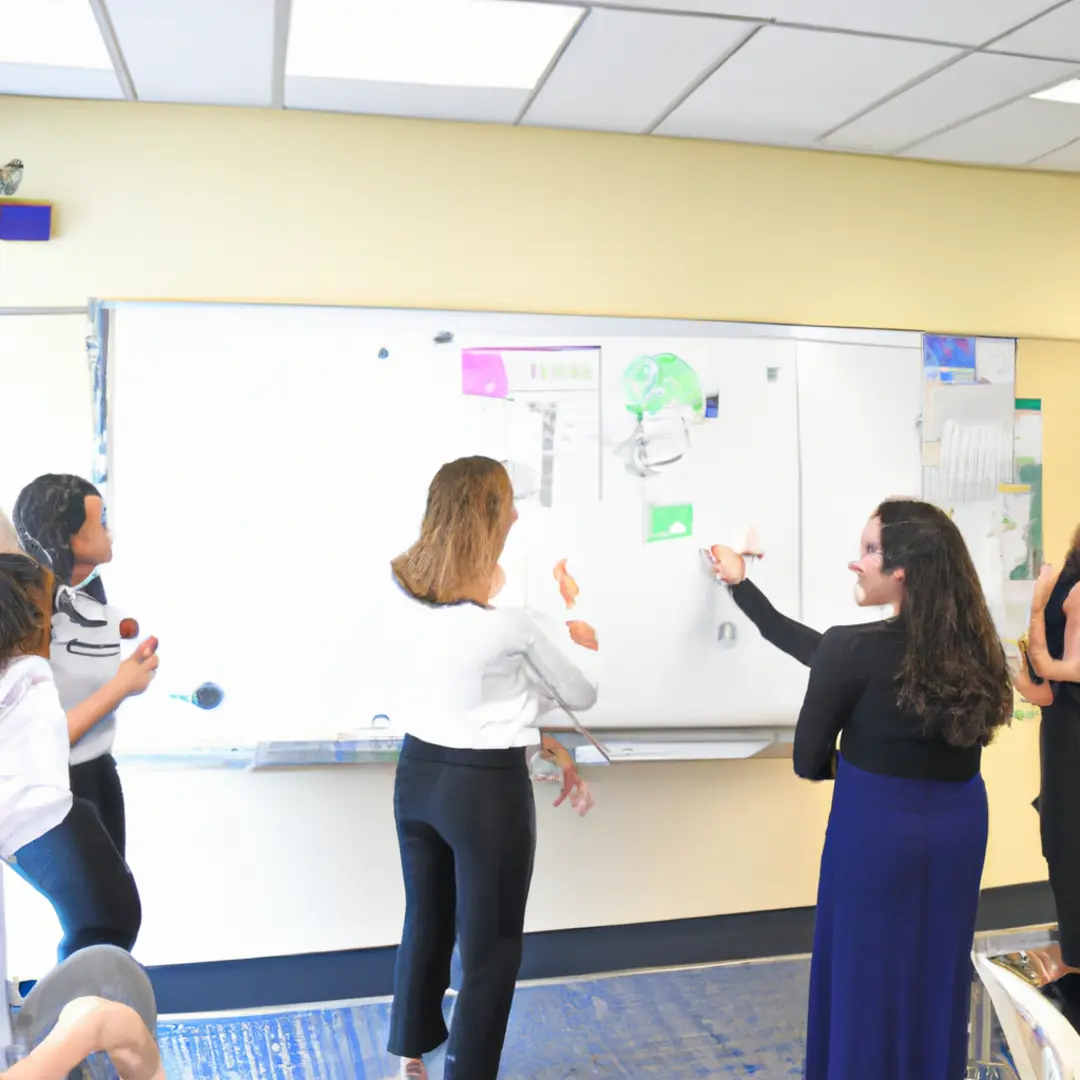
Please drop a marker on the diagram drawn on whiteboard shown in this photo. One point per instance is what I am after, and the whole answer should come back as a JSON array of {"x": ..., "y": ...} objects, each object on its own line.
[
  {"x": 663, "y": 393},
  {"x": 549, "y": 400}
]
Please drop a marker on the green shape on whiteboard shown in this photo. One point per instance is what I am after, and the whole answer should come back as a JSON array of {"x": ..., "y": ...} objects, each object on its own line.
[
  {"x": 664, "y": 381},
  {"x": 669, "y": 522}
]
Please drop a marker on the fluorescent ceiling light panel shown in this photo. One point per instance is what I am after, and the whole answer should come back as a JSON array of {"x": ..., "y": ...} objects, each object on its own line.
[
  {"x": 51, "y": 33},
  {"x": 1069, "y": 92},
  {"x": 501, "y": 44}
]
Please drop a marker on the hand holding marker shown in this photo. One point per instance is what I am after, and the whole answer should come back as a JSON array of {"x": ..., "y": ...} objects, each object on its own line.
[
  {"x": 727, "y": 566},
  {"x": 136, "y": 672}
]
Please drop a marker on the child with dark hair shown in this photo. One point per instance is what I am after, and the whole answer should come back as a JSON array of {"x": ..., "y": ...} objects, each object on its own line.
[
  {"x": 80, "y": 867},
  {"x": 34, "y": 792},
  {"x": 35, "y": 799}
]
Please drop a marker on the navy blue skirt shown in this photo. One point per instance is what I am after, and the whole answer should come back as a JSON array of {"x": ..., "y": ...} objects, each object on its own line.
[{"x": 890, "y": 982}]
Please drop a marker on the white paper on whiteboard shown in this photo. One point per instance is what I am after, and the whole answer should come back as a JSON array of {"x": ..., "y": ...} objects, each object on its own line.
[{"x": 995, "y": 361}]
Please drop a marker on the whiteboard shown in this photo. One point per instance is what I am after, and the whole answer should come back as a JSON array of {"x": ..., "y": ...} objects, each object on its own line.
[
  {"x": 860, "y": 443},
  {"x": 268, "y": 462}
]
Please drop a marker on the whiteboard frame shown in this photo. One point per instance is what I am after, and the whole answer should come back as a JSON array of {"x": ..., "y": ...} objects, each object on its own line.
[{"x": 632, "y": 744}]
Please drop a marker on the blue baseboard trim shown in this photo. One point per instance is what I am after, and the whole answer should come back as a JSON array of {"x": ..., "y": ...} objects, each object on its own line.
[{"x": 234, "y": 985}]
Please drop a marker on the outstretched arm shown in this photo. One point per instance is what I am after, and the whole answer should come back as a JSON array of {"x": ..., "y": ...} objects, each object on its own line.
[{"x": 797, "y": 640}]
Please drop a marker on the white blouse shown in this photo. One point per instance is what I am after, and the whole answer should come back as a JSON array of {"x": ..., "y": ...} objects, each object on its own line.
[
  {"x": 35, "y": 793},
  {"x": 470, "y": 677},
  {"x": 85, "y": 655}
]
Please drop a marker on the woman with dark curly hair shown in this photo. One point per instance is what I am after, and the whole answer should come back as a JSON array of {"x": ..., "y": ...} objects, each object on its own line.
[{"x": 912, "y": 699}]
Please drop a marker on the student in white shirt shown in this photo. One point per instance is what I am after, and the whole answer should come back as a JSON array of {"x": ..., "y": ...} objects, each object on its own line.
[
  {"x": 35, "y": 797},
  {"x": 463, "y": 799},
  {"x": 34, "y": 792},
  {"x": 80, "y": 867}
]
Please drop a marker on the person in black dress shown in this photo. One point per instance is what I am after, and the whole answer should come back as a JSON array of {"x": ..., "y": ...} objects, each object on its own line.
[
  {"x": 914, "y": 699},
  {"x": 1054, "y": 650}
]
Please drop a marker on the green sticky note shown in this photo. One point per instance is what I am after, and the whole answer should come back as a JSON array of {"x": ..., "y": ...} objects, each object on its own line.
[{"x": 674, "y": 522}]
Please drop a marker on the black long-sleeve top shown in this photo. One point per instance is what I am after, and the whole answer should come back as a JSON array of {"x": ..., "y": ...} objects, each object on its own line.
[{"x": 852, "y": 690}]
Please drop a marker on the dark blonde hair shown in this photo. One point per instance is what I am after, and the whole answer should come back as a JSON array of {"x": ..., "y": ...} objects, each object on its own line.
[{"x": 462, "y": 534}]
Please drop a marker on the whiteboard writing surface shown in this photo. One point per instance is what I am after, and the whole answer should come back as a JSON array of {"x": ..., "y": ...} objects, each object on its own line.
[
  {"x": 268, "y": 462},
  {"x": 658, "y": 619},
  {"x": 860, "y": 443}
]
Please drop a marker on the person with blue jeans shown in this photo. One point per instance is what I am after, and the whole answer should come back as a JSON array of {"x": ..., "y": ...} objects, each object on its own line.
[{"x": 80, "y": 865}]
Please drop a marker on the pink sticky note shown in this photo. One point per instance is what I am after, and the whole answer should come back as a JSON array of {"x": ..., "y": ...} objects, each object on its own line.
[{"x": 483, "y": 374}]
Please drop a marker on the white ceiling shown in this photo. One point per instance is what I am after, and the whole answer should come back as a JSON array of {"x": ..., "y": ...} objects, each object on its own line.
[{"x": 948, "y": 80}]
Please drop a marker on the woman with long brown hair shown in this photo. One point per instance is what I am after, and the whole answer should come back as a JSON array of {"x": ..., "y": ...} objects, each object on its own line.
[
  {"x": 914, "y": 699},
  {"x": 1054, "y": 650},
  {"x": 463, "y": 799}
]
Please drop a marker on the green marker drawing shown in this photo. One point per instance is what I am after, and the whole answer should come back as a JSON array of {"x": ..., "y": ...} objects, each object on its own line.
[
  {"x": 675, "y": 522},
  {"x": 662, "y": 393},
  {"x": 664, "y": 381}
]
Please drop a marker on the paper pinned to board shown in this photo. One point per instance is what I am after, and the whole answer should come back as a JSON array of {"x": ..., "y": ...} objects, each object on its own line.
[{"x": 995, "y": 361}]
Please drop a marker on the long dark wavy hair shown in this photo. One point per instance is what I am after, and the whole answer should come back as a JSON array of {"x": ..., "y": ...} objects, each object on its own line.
[{"x": 954, "y": 674}]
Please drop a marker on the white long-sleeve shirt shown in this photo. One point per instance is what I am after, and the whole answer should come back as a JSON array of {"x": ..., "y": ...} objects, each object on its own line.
[
  {"x": 471, "y": 677},
  {"x": 35, "y": 793}
]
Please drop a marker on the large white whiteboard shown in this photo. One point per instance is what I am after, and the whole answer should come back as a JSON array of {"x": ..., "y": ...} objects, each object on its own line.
[{"x": 267, "y": 462}]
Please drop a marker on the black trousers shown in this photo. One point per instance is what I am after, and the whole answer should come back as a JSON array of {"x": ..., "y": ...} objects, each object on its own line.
[
  {"x": 466, "y": 824},
  {"x": 1059, "y": 811},
  {"x": 79, "y": 865}
]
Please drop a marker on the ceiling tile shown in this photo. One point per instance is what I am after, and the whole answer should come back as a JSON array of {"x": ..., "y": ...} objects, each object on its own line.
[
  {"x": 1014, "y": 135},
  {"x": 790, "y": 86},
  {"x": 208, "y": 52},
  {"x": 1056, "y": 35},
  {"x": 430, "y": 42},
  {"x": 466, "y": 103},
  {"x": 972, "y": 85},
  {"x": 623, "y": 70},
  {"x": 56, "y": 33},
  {"x": 1067, "y": 159},
  {"x": 963, "y": 22},
  {"x": 37, "y": 80}
]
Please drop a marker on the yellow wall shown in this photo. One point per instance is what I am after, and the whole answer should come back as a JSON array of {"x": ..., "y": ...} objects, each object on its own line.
[
  {"x": 196, "y": 202},
  {"x": 214, "y": 203},
  {"x": 1050, "y": 370}
]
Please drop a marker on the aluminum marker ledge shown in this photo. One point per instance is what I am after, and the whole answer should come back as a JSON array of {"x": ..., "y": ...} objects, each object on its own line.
[{"x": 627, "y": 745}]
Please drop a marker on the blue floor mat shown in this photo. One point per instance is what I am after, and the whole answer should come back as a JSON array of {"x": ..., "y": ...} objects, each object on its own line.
[{"x": 733, "y": 1021}]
